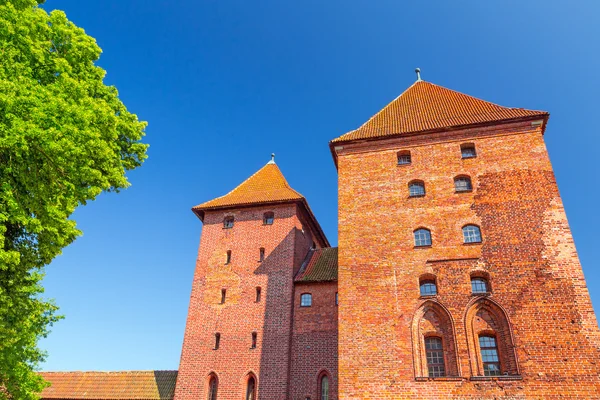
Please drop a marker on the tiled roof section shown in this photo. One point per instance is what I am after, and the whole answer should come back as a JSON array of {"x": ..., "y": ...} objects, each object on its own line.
[
  {"x": 425, "y": 106},
  {"x": 321, "y": 265},
  {"x": 122, "y": 385},
  {"x": 265, "y": 186}
]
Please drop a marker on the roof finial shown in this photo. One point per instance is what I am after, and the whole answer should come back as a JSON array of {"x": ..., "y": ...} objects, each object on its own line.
[
  {"x": 272, "y": 159},
  {"x": 418, "y": 71}
]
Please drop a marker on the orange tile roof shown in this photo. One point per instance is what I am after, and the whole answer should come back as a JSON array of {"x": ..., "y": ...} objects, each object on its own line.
[
  {"x": 122, "y": 385},
  {"x": 425, "y": 106},
  {"x": 321, "y": 265},
  {"x": 267, "y": 185}
]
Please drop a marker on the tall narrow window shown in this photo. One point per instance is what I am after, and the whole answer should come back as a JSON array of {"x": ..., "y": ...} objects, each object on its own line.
[
  {"x": 489, "y": 355},
  {"x": 462, "y": 184},
  {"x": 471, "y": 234},
  {"x": 268, "y": 218},
  {"x": 467, "y": 150},
  {"x": 212, "y": 388},
  {"x": 479, "y": 285},
  {"x": 251, "y": 389},
  {"x": 223, "y": 294},
  {"x": 416, "y": 189},
  {"x": 435, "y": 357},
  {"x": 217, "y": 340},
  {"x": 228, "y": 257},
  {"x": 253, "y": 345},
  {"x": 404, "y": 157},
  {"x": 336, "y": 299},
  {"x": 422, "y": 237},
  {"x": 228, "y": 222},
  {"x": 324, "y": 387},
  {"x": 306, "y": 300},
  {"x": 258, "y": 294},
  {"x": 261, "y": 254}
]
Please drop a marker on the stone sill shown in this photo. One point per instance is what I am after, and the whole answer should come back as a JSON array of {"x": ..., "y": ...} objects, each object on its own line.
[
  {"x": 439, "y": 379},
  {"x": 498, "y": 378}
]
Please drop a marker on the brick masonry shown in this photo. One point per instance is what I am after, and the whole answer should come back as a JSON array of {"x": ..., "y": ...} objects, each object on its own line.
[{"x": 539, "y": 307}]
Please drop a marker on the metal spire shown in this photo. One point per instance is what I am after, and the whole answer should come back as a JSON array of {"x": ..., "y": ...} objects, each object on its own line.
[
  {"x": 418, "y": 71},
  {"x": 272, "y": 159}
]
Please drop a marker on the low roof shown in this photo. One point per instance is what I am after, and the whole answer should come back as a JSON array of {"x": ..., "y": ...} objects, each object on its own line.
[
  {"x": 121, "y": 385},
  {"x": 425, "y": 106},
  {"x": 320, "y": 265}
]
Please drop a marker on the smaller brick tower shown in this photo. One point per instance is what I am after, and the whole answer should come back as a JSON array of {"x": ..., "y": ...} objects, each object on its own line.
[{"x": 238, "y": 336}]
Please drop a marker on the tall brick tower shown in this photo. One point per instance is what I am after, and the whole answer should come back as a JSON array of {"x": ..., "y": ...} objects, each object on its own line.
[
  {"x": 238, "y": 336},
  {"x": 458, "y": 275}
]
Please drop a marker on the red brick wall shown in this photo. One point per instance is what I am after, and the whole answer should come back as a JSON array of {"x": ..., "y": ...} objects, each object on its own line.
[
  {"x": 314, "y": 342},
  {"x": 539, "y": 307},
  {"x": 240, "y": 315}
]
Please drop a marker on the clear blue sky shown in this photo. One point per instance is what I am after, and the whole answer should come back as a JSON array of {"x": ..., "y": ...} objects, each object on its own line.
[{"x": 225, "y": 83}]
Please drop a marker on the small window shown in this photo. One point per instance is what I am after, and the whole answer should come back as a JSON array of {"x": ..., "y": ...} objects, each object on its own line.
[
  {"x": 428, "y": 288},
  {"x": 258, "y": 294},
  {"x": 435, "y": 357},
  {"x": 404, "y": 157},
  {"x": 228, "y": 222},
  {"x": 306, "y": 300},
  {"x": 479, "y": 285},
  {"x": 336, "y": 299},
  {"x": 324, "y": 387},
  {"x": 268, "y": 218},
  {"x": 228, "y": 257},
  {"x": 416, "y": 189},
  {"x": 223, "y": 294},
  {"x": 254, "y": 335},
  {"x": 261, "y": 254},
  {"x": 422, "y": 237},
  {"x": 471, "y": 234},
  {"x": 251, "y": 389},
  {"x": 489, "y": 355},
  {"x": 468, "y": 150},
  {"x": 463, "y": 184},
  {"x": 217, "y": 340},
  {"x": 212, "y": 388}
]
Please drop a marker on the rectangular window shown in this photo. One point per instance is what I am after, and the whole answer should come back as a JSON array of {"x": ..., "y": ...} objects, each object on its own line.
[
  {"x": 258, "y": 294},
  {"x": 306, "y": 300},
  {"x": 435, "y": 357},
  {"x": 468, "y": 151},
  {"x": 223, "y": 294},
  {"x": 254, "y": 335},
  {"x": 228, "y": 257},
  {"x": 336, "y": 298},
  {"x": 489, "y": 355},
  {"x": 261, "y": 254},
  {"x": 217, "y": 340},
  {"x": 228, "y": 222}
]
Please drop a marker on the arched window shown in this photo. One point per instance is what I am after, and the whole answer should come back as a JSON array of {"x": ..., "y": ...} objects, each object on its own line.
[
  {"x": 324, "y": 387},
  {"x": 416, "y": 189},
  {"x": 306, "y": 300},
  {"x": 422, "y": 237},
  {"x": 489, "y": 355},
  {"x": 251, "y": 388},
  {"x": 434, "y": 352},
  {"x": 428, "y": 287},
  {"x": 479, "y": 285},
  {"x": 462, "y": 184},
  {"x": 471, "y": 234},
  {"x": 258, "y": 290},
  {"x": 467, "y": 150},
  {"x": 228, "y": 222},
  {"x": 212, "y": 387},
  {"x": 404, "y": 157},
  {"x": 268, "y": 218},
  {"x": 261, "y": 254}
]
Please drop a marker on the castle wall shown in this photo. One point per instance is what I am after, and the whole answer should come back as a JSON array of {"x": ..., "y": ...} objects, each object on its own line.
[
  {"x": 314, "y": 342},
  {"x": 539, "y": 306}
]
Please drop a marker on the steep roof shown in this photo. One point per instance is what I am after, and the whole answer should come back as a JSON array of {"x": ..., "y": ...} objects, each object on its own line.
[
  {"x": 267, "y": 185},
  {"x": 425, "y": 106},
  {"x": 321, "y": 265},
  {"x": 122, "y": 385}
]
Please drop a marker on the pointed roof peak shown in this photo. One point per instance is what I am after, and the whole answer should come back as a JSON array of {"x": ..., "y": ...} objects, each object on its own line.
[
  {"x": 425, "y": 106},
  {"x": 272, "y": 159}
]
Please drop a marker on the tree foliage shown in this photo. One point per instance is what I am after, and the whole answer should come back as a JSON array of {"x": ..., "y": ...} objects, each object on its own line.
[{"x": 65, "y": 137}]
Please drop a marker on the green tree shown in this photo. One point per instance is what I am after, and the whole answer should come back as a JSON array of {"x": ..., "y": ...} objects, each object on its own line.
[{"x": 65, "y": 137}]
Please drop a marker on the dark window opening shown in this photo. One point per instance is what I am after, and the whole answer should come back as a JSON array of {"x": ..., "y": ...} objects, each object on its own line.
[
  {"x": 468, "y": 150},
  {"x": 217, "y": 340},
  {"x": 261, "y": 256},
  {"x": 258, "y": 294},
  {"x": 463, "y": 184},
  {"x": 228, "y": 257},
  {"x": 324, "y": 387},
  {"x": 306, "y": 300},
  {"x": 228, "y": 222},
  {"x": 336, "y": 299},
  {"x": 404, "y": 157},
  {"x": 268, "y": 218},
  {"x": 254, "y": 335},
  {"x": 251, "y": 389},
  {"x": 435, "y": 357},
  {"x": 212, "y": 388},
  {"x": 223, "y": 294},
  {"x": 489, "y": 355}
]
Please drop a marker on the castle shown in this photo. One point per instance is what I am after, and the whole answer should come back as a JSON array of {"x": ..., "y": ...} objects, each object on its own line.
[{"x": 456, "y": 275}]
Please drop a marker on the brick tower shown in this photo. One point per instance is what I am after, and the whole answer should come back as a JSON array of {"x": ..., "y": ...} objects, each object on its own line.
[
  {"x": 238, "y": 336},
  {"x": 458, "y": 275}
]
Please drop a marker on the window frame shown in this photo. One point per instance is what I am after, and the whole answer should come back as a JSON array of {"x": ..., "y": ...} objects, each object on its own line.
[
  {"x": 268, "y": 218},
  {"x": 416, "y": 240},
  {"x": 228, "y": 257},
  {"x": 217, "y": 341},
  {"x": 468, "y": 186},
  {"x": 425, "y": 283},
  {"x": 213, "y": 386},
  {"x": 306, "y": 296},
  {"x": 466, "y": 234},
  {"x": 254, "y": 340},
  {"x": 416, "y": 183},
  {"x": 261, "y": 254},
  {"x": 465, "y": 147},
  {"x": 486, "y": 284},
  {"x": 251, "y": 392},
  {"x": 405, "y": 155},
  {"x": 223, "y": 295},
  {"x": 258, "y": 294},
  {"x": 492, "y": 348},
  {"x": 228, "y": 222},
  {"x": 438, "y": 353}
]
